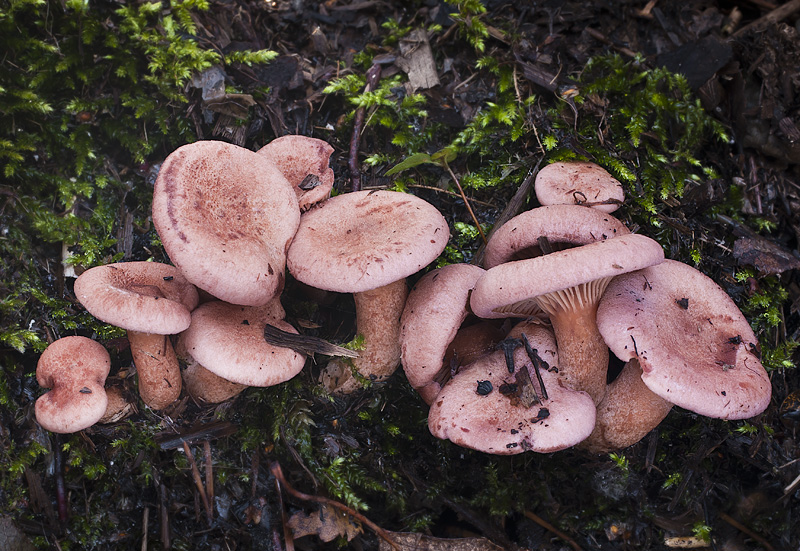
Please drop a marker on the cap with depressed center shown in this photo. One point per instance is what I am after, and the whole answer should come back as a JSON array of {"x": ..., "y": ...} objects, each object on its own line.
[
  {"x": 226, "y": 216},
  {"x": 149, "y": 300},
  {"x": 367, "y": 243},
  {"x": 480, "y": 407},
  {"x": 75, "y": 371},
  {"x": 578, "y": 183},
  {"x": 695, "y": 347},
  {"x": 304, "y": 162},
  {"x": 567, "y": 285},
  {"x": 561, "y": 225}
]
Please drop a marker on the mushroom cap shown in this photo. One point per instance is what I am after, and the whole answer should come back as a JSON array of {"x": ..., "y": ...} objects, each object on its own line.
[
  {"x": 298, "y": 157},
  {"x": 75, "y": 369},
  {"x": 366, "y": 239},
  {"x": 695, "y": 347},
  {"x": 228, "y": 340},
  {"x": 560, "y": 224},
  {"x": 576, "y": 183},
  {"x": 226, "y": 216},
  {"x": 506, "y": 290},
  {"x": 435, "y": 309},
  {"x": 497, "y": 422},
  {"x": 147, "y": 297}
]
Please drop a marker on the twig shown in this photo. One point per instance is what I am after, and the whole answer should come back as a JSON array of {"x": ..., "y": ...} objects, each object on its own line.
[
  {"x": 778, "y": 14},
  {"x": 209, "y": 472},
  {"x": 550, "y": 528},
  {"x": 198, "y": 481},
  {"x": 373, "y": 76},
  {"x": 145, "y": 523},
  {"x": 61, "y": 492},
  {"x": 466, "y": 202},
  {"x": 277, "y": 472},
  {"x": 162, "y": 495},
  {"x": 288, "y": 538},
  {"x": 742, "y": 528}
]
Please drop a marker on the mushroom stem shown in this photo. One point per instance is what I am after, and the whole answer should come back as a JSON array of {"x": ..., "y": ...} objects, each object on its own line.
[
  {"x": 582, "y": 352},
  {"x": 157, "y": 367},
  {"x": 378, "y": 322},
  {"x": 627, "y": 413}
]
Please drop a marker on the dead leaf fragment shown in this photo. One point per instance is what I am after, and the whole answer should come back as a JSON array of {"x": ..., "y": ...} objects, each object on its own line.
[
  {"x": 325, "y": 522},
  {"x": 768, "y": 258},
  {"x": 417, "y": 61}
]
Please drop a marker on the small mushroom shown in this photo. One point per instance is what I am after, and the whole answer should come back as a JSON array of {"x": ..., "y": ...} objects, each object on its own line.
[
  {"x": 150, "y": 300},
  {"x": 304, "y": 163},
  {"x": 75, "y": 371},
  {"x": 567, "y": 285},
  {"x": 226, "y": 216},
  {"x": 484, "y": 407},
  {"x": 367, "y": 243},
  {"x": 578, "y": 183}
]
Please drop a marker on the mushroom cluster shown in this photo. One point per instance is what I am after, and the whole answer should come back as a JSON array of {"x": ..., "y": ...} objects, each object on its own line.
[
  {"x": 232, "y": 221},
  {"x": 514, "y": 356}
]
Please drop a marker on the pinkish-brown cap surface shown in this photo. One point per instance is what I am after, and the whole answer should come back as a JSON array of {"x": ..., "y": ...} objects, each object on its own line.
[
  {"x": 562, "y": 225},
  {"x": 228, "y": 340},
  {"x": 506, "y": 290},
  {"x": 578, "y": 183},
  {"x": 148, "y": 297},
  {"x": 435, "y": 309},
  {"x": 304, "y": 162},
  {"x": 483, "y": 407},
  {"x": 694, "y": 345},
  {"x": 226, "y": 216},
  {"x": 75, "y": 369},
  {"x": 366, "y": 239}
]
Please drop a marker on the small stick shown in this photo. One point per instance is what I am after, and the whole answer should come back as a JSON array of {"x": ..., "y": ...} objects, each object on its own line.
[
  {"x": 466, "y": 202},
  {"x": 209, "y": 472},
  {"x": 742, "y": 528},
  {"x": 550, "y": 528},
  {"x": 536, "y": 360},
  {"x": 165, "y": 543},
  {"x": 145, "y": 523},
  {"x": 61, "y": 492},
  {"x": 198, "y": 481},
  {"x": 276, "y": 471},
  {"x": 373, "y": 76}
]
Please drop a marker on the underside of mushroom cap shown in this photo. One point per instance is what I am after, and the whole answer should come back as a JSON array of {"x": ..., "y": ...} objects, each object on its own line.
[
  {"x": 367, "y": 239},
  {"x": 506, "y": 290},
  {"x": 304, "y": 162},
  {"x": 226, "y": 216},
  {"x": 228, "y": 340},
  {"x": 578, "y": 183},
  {"x": 481, "y": 407},
  {"x": 435, "y": 309},
  {"x": 694, "y": 345},
  {"x": 75, "y": 369},
  {"x": 148, "y": 297},
  {"x": 517, "y": 239}
]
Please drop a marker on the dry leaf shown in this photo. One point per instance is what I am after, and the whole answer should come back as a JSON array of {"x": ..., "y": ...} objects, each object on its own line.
[
  {"x": 326, "y": 522},
  {"x": 420, "y": 542}
]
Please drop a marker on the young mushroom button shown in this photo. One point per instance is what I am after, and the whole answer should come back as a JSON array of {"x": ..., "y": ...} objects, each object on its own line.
[
  {"x": 75, "y": 369},
  {"x": 226, "y": 216},
  {"x": 367, "y": 243}
]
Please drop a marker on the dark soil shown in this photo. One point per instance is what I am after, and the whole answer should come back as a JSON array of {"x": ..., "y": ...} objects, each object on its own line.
[{"x": 692, "y": 472}]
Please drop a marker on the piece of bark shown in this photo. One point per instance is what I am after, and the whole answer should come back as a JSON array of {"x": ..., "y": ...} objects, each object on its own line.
[{"x": 416, "y": 60}]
